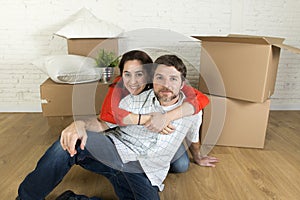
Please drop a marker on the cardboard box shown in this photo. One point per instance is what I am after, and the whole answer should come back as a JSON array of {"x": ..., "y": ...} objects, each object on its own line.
[
  {"x": 232, "y": 122},
  {"x": 86, "y": 32},
  {"x": 64, "y": 103},
  {"x": 69, "y": 100},
  {"x": 90, "y": 46},
  {"x": 61, "y": 121},
  {"x": 64, "y": 121},
  {"x": 241, "y": 67}
]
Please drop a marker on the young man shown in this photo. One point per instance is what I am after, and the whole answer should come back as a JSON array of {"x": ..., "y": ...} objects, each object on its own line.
[{"x": 134, "y": 159}]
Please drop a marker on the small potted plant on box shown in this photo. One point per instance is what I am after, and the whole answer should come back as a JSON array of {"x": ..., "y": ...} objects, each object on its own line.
[{"x": 107, "y": 60}]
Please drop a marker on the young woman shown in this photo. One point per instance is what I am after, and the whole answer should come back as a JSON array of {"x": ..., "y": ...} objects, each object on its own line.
[{"x": 136, "y": 77}]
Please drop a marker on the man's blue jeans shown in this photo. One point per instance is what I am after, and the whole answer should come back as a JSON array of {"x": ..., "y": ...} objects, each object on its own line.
[{"x": 56, "y": 163}]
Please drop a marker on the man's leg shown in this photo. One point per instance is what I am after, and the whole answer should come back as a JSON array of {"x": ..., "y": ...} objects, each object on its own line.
[
  {"x": 50, "y": 170},
  {"x": 134, "y": 186},
  {"x": 180, "y": 162},
  {"x": 126, "y": 183},
  {"x": 70, "y": 195}
]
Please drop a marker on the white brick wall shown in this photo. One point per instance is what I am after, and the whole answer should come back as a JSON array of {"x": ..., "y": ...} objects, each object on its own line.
[{"x": 27, "y": 27}]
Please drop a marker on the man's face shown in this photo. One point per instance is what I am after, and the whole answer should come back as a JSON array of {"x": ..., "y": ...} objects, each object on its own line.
[{"x": 167, "y": 84}]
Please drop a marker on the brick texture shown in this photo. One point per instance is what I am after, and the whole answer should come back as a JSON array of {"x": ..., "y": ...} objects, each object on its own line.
[{"x": 27, "y": 28}]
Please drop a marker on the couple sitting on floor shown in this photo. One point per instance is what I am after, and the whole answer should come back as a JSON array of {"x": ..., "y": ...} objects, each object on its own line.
[{"x": 148, "y": 116}]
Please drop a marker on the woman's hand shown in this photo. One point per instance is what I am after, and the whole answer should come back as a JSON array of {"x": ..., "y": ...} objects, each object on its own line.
[
  {"x": 159, "y": 123},
  {"x": 168, "y": 129}
]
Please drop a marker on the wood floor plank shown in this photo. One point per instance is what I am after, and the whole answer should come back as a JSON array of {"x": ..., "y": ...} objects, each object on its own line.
[{"x": 242, "y": 173}]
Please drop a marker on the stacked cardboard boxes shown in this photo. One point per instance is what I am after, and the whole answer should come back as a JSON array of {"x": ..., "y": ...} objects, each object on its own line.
[
  {"x": 62, "y": 103},
  {"x": 85, "y": 36},
  {"x": 238, "y": 73}
]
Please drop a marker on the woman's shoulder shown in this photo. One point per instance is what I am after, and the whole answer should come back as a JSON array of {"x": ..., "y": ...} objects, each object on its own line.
[{"x": 116, "y": 82}]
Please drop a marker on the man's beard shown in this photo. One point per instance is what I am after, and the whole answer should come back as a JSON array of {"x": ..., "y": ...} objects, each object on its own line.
[{"x": 165, "y": 98}]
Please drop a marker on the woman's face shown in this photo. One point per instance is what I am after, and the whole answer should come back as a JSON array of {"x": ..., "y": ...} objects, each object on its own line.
[{"x": 134, "y": 76}]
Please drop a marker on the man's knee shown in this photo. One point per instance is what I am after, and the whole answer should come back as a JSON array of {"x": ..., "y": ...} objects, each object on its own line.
[{"x": 55, "y": 153}]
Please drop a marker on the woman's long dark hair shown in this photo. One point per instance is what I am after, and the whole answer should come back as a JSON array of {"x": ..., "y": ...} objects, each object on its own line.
[{"x": 146, "y": 61}]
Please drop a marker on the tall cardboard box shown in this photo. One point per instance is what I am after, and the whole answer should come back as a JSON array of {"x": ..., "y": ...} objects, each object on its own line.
[
  {"x": 240, "y": 67},
  {"x": 86, "y": 32},
  {"x": 233, "y": 122}
]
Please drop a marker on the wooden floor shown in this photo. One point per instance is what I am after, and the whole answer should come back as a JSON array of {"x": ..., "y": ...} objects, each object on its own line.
[{"x": 271, "y": 173}]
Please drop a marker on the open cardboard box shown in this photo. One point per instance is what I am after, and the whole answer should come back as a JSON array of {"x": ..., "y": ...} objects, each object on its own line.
[
  {"x": 86, "y": 32},
  {"x": 240, "y": 67},
  {"x": 63, "y": 102},
  {"x": 232, "y": 122}
]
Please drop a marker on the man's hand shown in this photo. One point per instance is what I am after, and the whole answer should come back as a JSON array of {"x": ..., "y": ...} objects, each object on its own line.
[
  {"x": 70, "y": 135},
  {"x": 159, "y": 123},
  {"x": 206, "y": 161}
]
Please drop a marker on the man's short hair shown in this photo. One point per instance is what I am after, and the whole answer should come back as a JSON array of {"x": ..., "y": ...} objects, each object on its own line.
[{"x": 172, "y": 60}]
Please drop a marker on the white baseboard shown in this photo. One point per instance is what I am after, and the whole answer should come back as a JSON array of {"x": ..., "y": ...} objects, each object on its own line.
[
  {"x": 285, "y": 107},
  {"x": 21, "y": 108},
  {"x": 38, "y": 108}
]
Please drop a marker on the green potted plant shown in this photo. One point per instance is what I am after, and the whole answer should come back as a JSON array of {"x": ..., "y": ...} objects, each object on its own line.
[{"x": 107, "y": 60}]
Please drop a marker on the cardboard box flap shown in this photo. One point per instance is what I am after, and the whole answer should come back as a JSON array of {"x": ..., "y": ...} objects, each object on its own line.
[
  {"x": 269, "y": 40},
  {"x": 241, "y": 39},
  {"x": 289, "y": 48},
  {"x": 87, "y": 25},
  {"x": 275, "y": 41}
]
